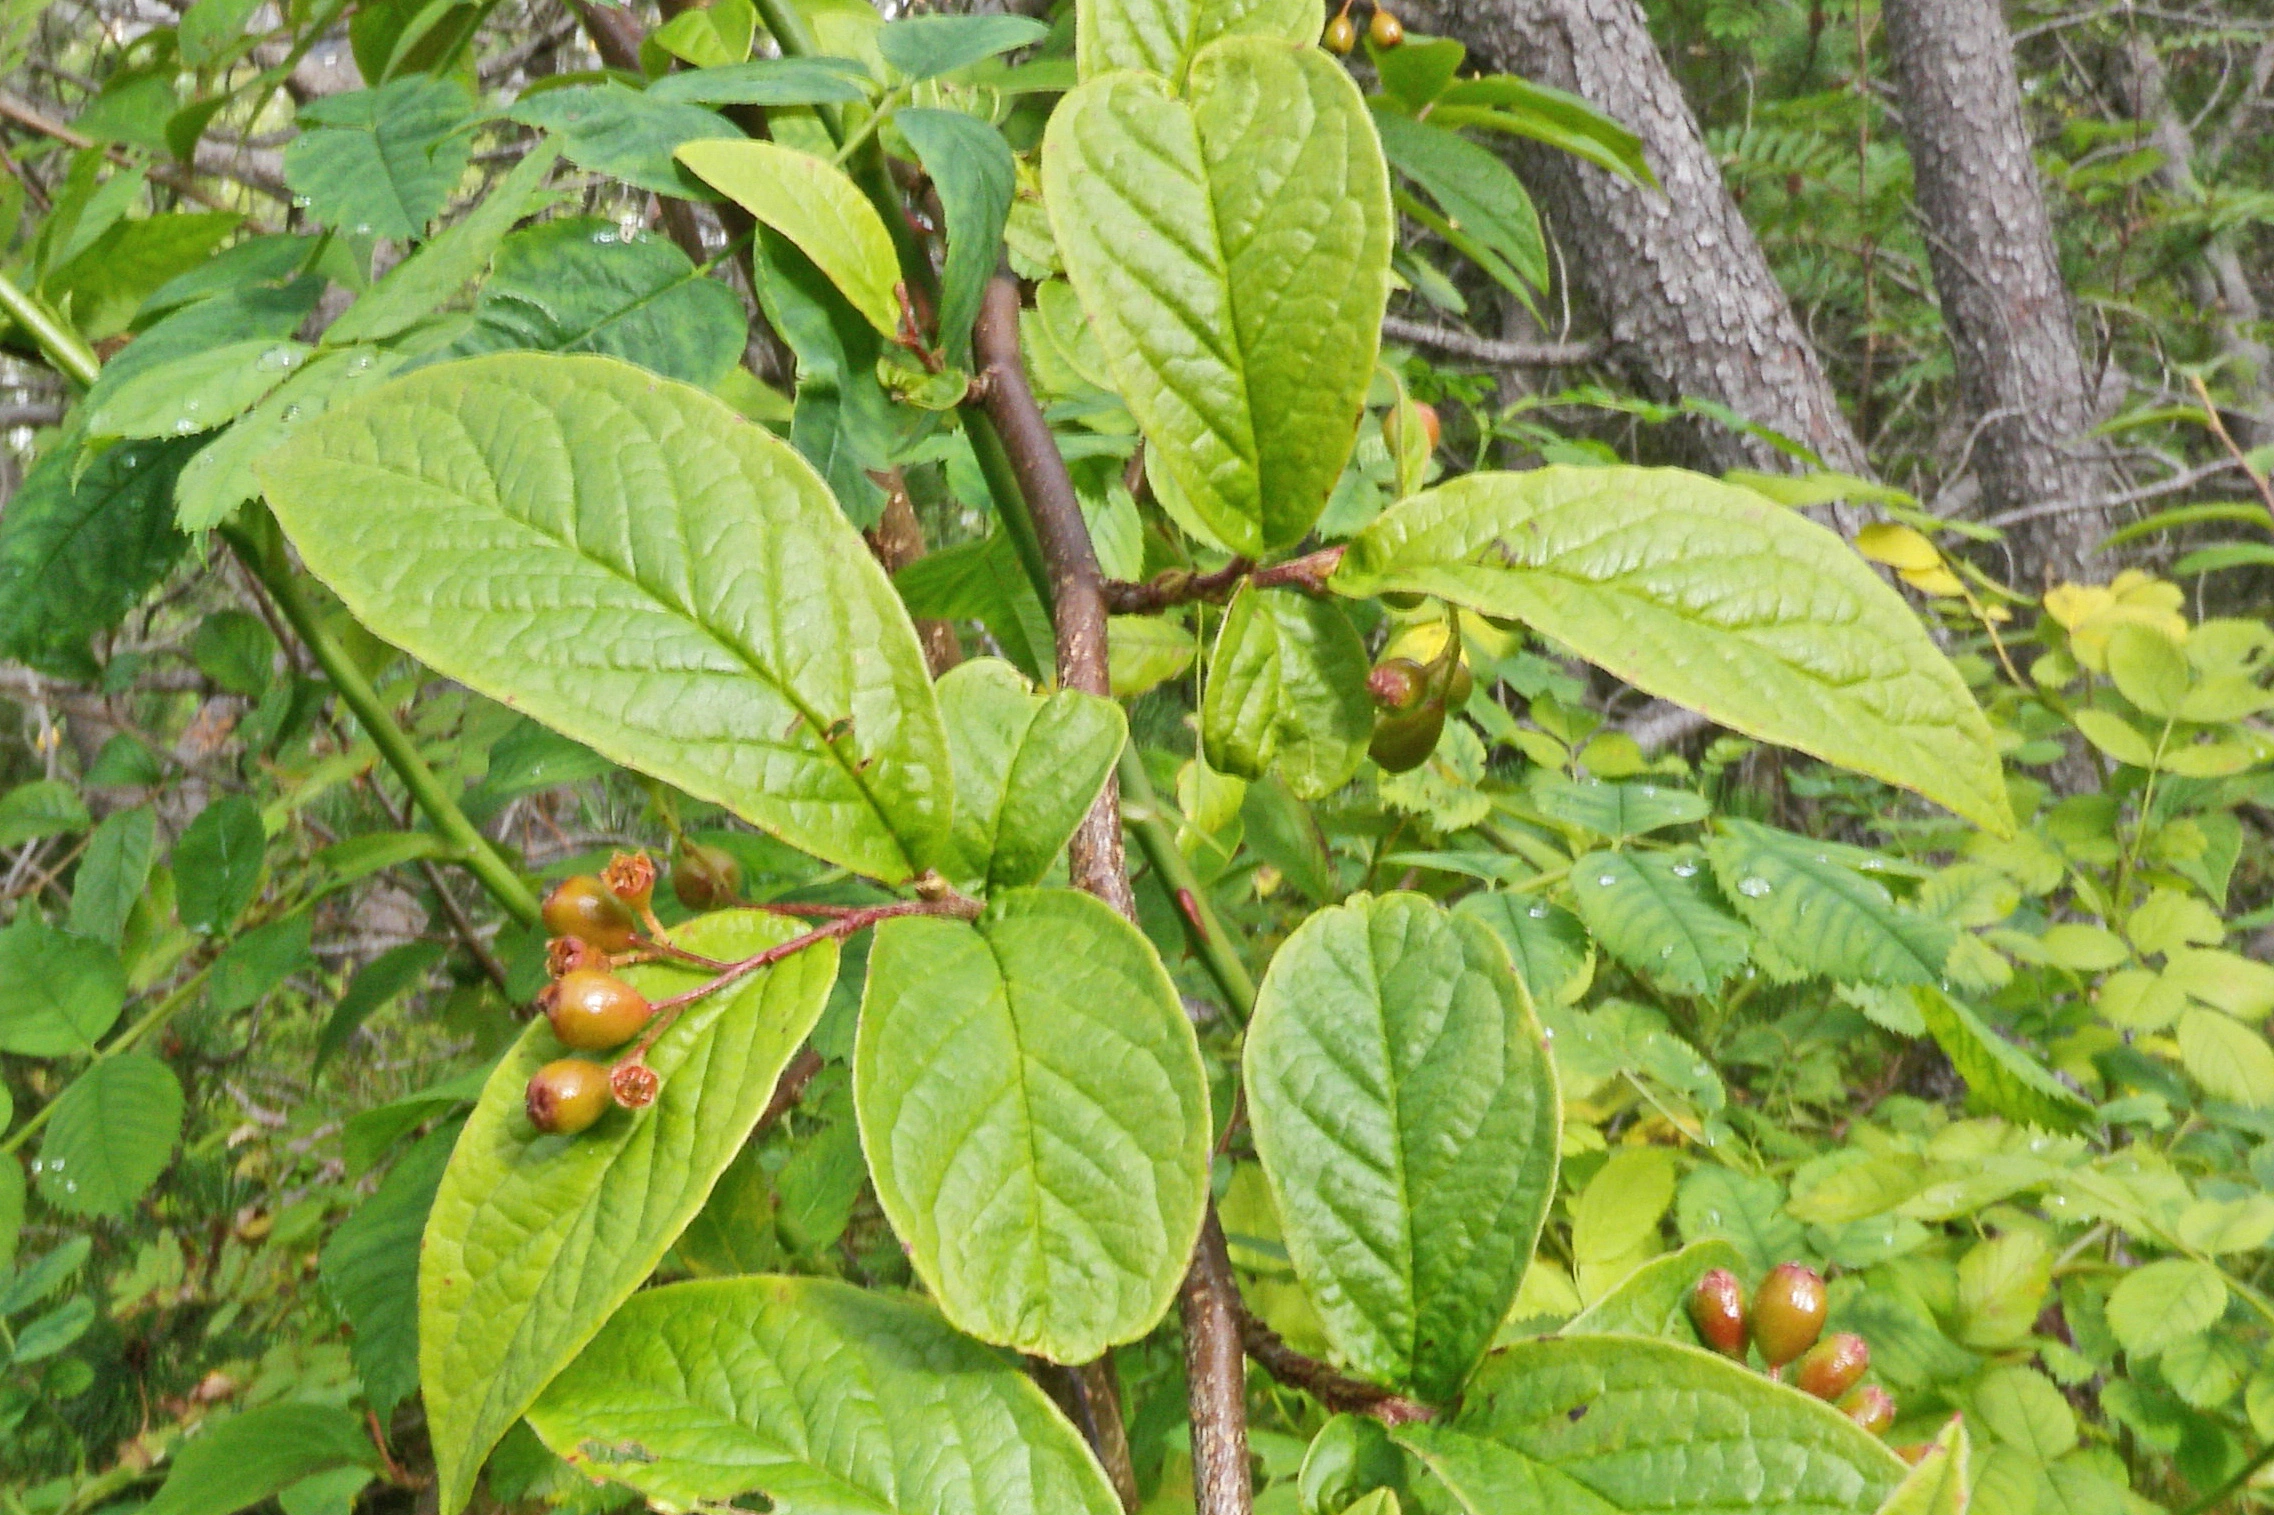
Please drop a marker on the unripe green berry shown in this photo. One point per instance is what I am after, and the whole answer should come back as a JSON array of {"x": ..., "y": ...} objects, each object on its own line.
[
  {"x": 705, "y": 878},
  {"x": 591, "y": 1010},
  {"x": 1717, "y": 1309},
  {"x": 567, "y": 1096},
  {"x": 1870, "y": 1407},
  {"x": 585, "y": 908},
  {"x": 1832, "y": 1367},
  {"x": 1404, "y": 741},
  {"x": 1341, "y": 34},
  {"x": 1385, "y": 29},
  {"x": 1788, "y": 1312}
]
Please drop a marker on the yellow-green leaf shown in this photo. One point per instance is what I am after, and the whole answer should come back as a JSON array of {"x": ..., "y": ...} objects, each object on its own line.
[{"x": 814, "y": 204}]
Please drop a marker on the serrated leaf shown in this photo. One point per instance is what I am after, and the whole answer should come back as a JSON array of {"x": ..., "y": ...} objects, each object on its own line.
[
  {"x": 1232, "y": 255},
  {"x": 1822, "y": 915},
  {"x": 1027, "y": 768},
  {"x": 1163, "y": 35},
  {"x": 233, "y": 1464},
  {"x": 111, "y": 1136},
  {"x": 112, "y": 874},
  {"x": 1286, "y": 693},
  {"x": 820, "y": 1396},
  {"x": 2157, "y": 1305},
  {"x": 1939, "y": 1483},
  {"x": 1651, "y": 912},
  {"x": 220, "y": 478},
  {"x": 59, "y": 992},
  {"x": 1407, "y": 1116},
  {"x": 1744, "y": 1209},
  {"x": 632, "y": 563},
  {"x": 972, "y": 169},
  {"x": 1707, "y": 595},
  {"x": 381, "y": 162},
  {"x": 2228, "y": 1058},
  {"x": 1592, "y": 1425},
  {"x": 1035, "y": 1116},
  {"x": 1617, "y": 811},
  {"x": 217, "y": 864},
  {"x": 369, "y": 1268},
  {"x": 534, "y": 1240},
  {"x": 810, "y": 201},
  {"x": 1997, "y": 1072},
  {"x": 1654, "y": 1300},
  {"x": 258, "y": 961},
  {"x": 195, "y": 393},
  {"x": 628, "y": 134},
  {"x": 1551, "y": 950}
]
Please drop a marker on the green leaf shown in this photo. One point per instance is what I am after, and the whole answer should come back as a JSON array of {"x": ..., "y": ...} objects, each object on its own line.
[
  {"x": 1822, "y": 915},
  {"x": 236, "y": 650},
  {"x": 381, "y": 162},
  {"x": 41, "y": 808},
  {"x": 1617, "y": 811},
  {"x": 1143, "y": 652},
  {"x": 1035, "y": 1115},
  {"x": 49, "y": 1334},
  {"x": 632, "y": 563},
  {"x": 1407, "y": 1117},
  {"x": 2020, "y": 1407},
  {"x": 211, "y": 28},
  {"x": 369, "y": 1268},
  {"x": 1651, "y": 911},
  {"x": 580, "y": 285},
  {"x": 217, "y": 864},
  {"x": 971, "y": 166},
  {"x": 842, "y": 420},
  {"x": 1997, "y": 1072},
  {"x": 258, "y": 961},
  {"x": 765, "y": 81},
  {"x": 1163, "y": 35},
  {"x": 1654, "y": 1300},
  {"x": 1551, "y": 950},
  {"x": 196, "y": 393},
  {"x": 105, "y": 283},
  {"x": 112, "y": 874},
  {"x": 78, "y": 550},
  {"x": 1707, "y": 595},
  {"x": 1618, "y": 1212},
  {"x": 40, "y": 1279},
  {"x": 391, "y": 973},
  {"x": 1286, "y": 693},
  {"x": 1592, "y": 1425},
  {"x": 233, "y": 1464},
  {"x": 2165, "y": 1302},
  {"x": 924, "y": 47},
  {"x": 2229, "y": 1059},
  {"x": 1478, "y": 193},
  {"x": 535, "y": 1240},
  {"x": 1938, "y": 1484},
  {"x": 627, "y": 134},
  {"x": 811, "y": 202},
  {"x": 1027, "y": 767},
  {"x": 59, "y": 992},
  {"x": 11, "y": 1206},
  {"x": 1232, "y": 254},
  {"x": 220, "y": 478},
  {"x": 112, "y": 1134},
  {"x": 820, "y": 1396},
  {"x": 1505, "y": 103},
  {"x": 1744, "y": 1209}
]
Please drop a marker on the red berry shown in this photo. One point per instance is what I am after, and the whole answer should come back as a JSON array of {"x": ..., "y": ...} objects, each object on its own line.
[
  {"x": 1396, "y": 684},
  {"x": 591, "y": 1010},
  {"x": 1831, "y": 1367},
  {"x": 1717, "y": 1309},
  {"x": 567, "y": 1096},
  {"x": 585, "y": 908},
  {"x": 1870, "y": 1407},
  {"x": 1788, "y": 1312}
]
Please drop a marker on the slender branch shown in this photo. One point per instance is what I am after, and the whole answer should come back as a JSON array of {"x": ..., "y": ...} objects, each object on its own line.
[
  {"x": 1339, "y": 1393},
  {"x": 262, "y": 549},
  {"x": 1178, "y": 586},
  {"x": 174, "y": 179},
  {"x": 72, "y": 358},
  {"x": 1215, "y": 1371},
  {"x": 2241, "y": 459},
  {"x": 1497, "y": 352}
]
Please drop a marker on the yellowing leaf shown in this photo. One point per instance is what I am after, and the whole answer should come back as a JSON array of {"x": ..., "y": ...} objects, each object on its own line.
[
  {"x": 2093, "y": 612},
  {"x": 1898, "y": 546},
  {"x": 2229, "y": 1059},
  {"x": 1936, "y": 580},
  {"x": 815, "y": 205}
]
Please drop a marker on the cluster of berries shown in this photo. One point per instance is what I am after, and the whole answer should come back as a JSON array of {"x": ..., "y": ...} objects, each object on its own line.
[
  {"x": 1341, "y": 33},
  {"x": 1784, "y": 1322}
]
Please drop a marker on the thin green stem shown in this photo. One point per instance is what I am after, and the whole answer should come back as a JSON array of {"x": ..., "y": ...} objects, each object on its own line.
[
  {"x": 73, "y": 358},
  {"x": 262, "y": 550},
  {"x": 1010, "y": 503},
  {"x": 1141, "y": 813},
  {"x": 868, "y": 129}
]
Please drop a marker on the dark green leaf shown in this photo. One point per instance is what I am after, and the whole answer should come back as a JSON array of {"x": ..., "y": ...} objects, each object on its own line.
[
  {"x": 924, "y": 47},
  {"x": 235, "y": 1463},
  {"x": 1552, "y": 953},
  {"x": 1651, "y": 911},
  {"x": 971, "y": 167},
  {"x": 43, "y": 807},
  {"x": 391, "y": 973},
  {"x": 1997, "y": 1072},
  {"x": 58, "y": 992},
  {"x": 1481, "y": 194},
  {"x": 369, "y": 1268},
  {"x": 381, "y": 162},
  {"x": 626, "y": 134},
  {"x": 111, "y": 1136},
  {"x": 112, "y": 873},
  {"x": 1616, "y": 811},
  {"x": 765, "y": 81},
  {"x": 217, "y": 864},
  {"x": 106, "y": 282},
  {"x": 1822, "y": 915},
  {"x": 52, "y": 1332},
  {"x": 236, "y": 650},
  {"x": 258, "y": 961}
]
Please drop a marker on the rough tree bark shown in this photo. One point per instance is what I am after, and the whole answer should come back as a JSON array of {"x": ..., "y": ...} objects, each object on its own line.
[
  {"x": 1990, "y": 241},
  {"x": 1677, "y": 278}
]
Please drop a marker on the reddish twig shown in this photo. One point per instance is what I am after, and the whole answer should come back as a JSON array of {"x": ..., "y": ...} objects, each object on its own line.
[
  {"x": 1183, "y": 586},
  {"x": 1338, "y": 1392}
]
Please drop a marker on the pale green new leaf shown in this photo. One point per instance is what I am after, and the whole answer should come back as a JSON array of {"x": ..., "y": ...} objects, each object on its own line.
[
  {"x": 1232, "y": 254},
  {"x": 1605, "y": 1425},
  {"x": 1035, "y": 1115},
  {"x": 1651, "y": 912},
  {"x": 824, "y": 1398},
  {"x": 1823, "y": 915},
  {"x": 1027, "y": 768},
  {"x": 1938, "y": 1484},
  {"x": 220, "y": 477},
  {"x": 2227, "y": 1057},
  {"x": 1996, "y": 1071},
  {"x": 2165, "y": 1302},
  {"x": 813, "y": 203},
  {"x": 1286, "y": 693},
  {"x": 1407, "y": 1116},
  {"x": 112, "y": 1135},
  {"x": 534, "y": 1240},
  {"x": 1707, "y": 595},
  {"x": 1163, "y": 35},
  {"x": 630, "y": 562}
]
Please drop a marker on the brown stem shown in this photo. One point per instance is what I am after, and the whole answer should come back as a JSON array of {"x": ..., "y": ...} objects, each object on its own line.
[
  {"x": 1182, "y": 586},
  {"x": 790, "y": 1087},
  {"x": 1337, "y": 1392},
  {"x": 897, "y": 539},
  {"x": 1215, "y": 1372}
]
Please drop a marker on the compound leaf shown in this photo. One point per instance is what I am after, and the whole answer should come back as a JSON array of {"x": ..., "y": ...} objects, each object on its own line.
[{"x": 1823, "y": 915}]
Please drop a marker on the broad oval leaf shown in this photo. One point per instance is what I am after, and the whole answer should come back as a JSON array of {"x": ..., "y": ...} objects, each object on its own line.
[
  {"x": 1651, "y": 911},
  {"x": 1603, "y": 1425},
  {"x": 1823, "y": 915},
  {"x": 822, "y": 1397},
  {"x": 1035, "y": 1115},
  {"x": 1997, "y": 1072},
  {"x": 813, "y": 203},
  {"x": 1707, "y": 595},
  {"x": 112, "y": 1135},
  {"x": 220, "y": 478},
  {"x": 1232, "y": 254},
  {"x": 1027, "y": 768},
  {"x": 1407, "y": 1116},
  {"x": 534, "y": 1240},
  {"x": 1163, "y": 35},
  {"x": 1286, "y": 693},
  {"x": 236, "y": 1463},
  {"x": 632, "y": 563}
]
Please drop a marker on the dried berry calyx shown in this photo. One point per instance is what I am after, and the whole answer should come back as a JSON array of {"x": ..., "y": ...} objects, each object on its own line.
[
  {"x": 1788, "y": 1312},
  {"x": 1385, "y": 29},
  {"x": 630, "y": 876},
  {"x": 1833, "y": 1366},
  {"x": 567, "y": 1096},
  {"x": 1870, "y": 1407},
  {"x": 705, "y": 878},
  {"x": 1397, "y": 684},
  {"x": 592, "y": 1010},
  {"x": 1717, "y": 1309},
  {"x": 585, "y": 908},
  {"x": 566, "y": 954},
  {"x": 1341, "y": 34},
  {"x": 634, "y": 1084}
]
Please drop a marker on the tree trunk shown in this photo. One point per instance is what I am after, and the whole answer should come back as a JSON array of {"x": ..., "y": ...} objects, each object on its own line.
[
  {"x": 1990, "y": 242},
  {"x": 1677, "y": 278}
]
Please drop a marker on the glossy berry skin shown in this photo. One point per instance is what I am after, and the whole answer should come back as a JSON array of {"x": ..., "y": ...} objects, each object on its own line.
[
  {"x": 591, "y": 1011},
  {"x": 1385, "y": 29},
  {"x": 1717, "y": 1309},
  {"x": 1870, "y": 1407},
  {"x": 1341, "y": 35},
  {"x": 1832, "y": 1367},
  {"x": 566, "y": 1097},
  {"x": 1397, "y": 684},
  {"x": 1788, "y": 1313},
  {"x": 1404, "y": 741},
  {"x": 1393, "y": 429},
  {"x": 706, "y": 878},
  {"x": 583, "y": 907},
  {"x": 1459, "y": 685}
]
